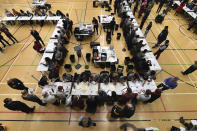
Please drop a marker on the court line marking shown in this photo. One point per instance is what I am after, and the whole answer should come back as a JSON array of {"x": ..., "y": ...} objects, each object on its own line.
[
  {"x": 193, "y": 43},
  {"x": 9, "y": 68},
  {"x": 178, "y": 54}
]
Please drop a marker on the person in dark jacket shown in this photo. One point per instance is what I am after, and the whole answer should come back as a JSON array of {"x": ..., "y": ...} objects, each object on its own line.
[
  {"x": 161, "y": 49},
  {"x": 147, "y": 29},
  {"x": 144, "y": 18},
  {"x": 17, "y": 106},
  {"x": 38, "y": 47},
  {"x": 112, "y": 25},
  {"x": 86, "y": 122},
  {"x": 36, "y": 35},
  {"x": 91, "y": 104},
  {"x": 191, "y": 69},
  {"x": 43, "y": 81},
  {"x": 8, "y": 34},
  {"x": 136, "y": 7},
  {"x": 32, "y": 97},
  {"x": 154, "y": 96},
  {"x": 16, "y": 84},
  {"x": 127, "y": 111},
  {"x": 162, "y": 36},
  {"x": 2, "y": 39},
  {"x": 160, "y": 6},
  {"x": 95, "y": 24},
  {"x": 115, "y": 6}
]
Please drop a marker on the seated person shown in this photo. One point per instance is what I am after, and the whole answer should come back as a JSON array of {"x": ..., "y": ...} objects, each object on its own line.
[
  {"x": 15, "y": 13},
  {"x": 61, "y": 94},
  {"x": 122, "y": 79},
  {"x": 115, "y": 112},
  {"x": 49, "y": 98},
  {"x": 85, "y": 76},
  {"x": 114, "y": 77},
  {"x": 94, "y": 78},
  {"x": 43, "y": 81},
  {"x": 8, "y": 13},
  {"x": 128, "y": 96},
  {"x": 104, "y": 77},
  {"x": 59, "y": 13},
  {"x": 51, "y": 64},
  {"x": 54, "y": 75},
  {"x": 22, "y": 13},
  {"x": 38, "y": 47},
  {"x": 101, "y": 98},
  {"x": 91, "y": 104},
  {"x": 131, "y": 76},
  {"x": 67, "y": 77},
  {"x": 77, "y": 102},
  {"x": 29, "y": 13},
  {"x": 58, "y": 56},
  {"x": 145, "y": 96}
]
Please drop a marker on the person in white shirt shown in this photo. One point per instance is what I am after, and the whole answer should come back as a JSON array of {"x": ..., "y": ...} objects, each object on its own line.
[
  {"x": 144, "y": 97},
  {"x": 161, "y": 49},
  {"x": 49, "y": 98},
  {"x": 61, "y": 93}
]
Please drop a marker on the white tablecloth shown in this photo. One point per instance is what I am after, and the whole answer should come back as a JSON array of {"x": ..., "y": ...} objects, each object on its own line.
[{"x": 85, "y": 89}]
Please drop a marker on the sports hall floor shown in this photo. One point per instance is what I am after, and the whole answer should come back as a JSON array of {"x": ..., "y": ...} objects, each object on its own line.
[{"x": 20, "y": 60}]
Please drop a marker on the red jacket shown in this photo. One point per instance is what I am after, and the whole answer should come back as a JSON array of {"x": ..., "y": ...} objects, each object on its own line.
[{"x": 37, "y": 47}]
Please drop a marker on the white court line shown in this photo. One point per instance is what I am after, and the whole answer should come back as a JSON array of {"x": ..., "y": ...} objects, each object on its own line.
[{"x": 178, "y": 59}]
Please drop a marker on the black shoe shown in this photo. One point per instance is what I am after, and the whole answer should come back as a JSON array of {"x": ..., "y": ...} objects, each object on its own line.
[
  {"x": 44, "y": 104},
  {"x": 154, "y": 46},
  {"x": 4, "y": 46},
  {"x": 181, "y": 120},
  {"x": 182, "y": 72},
  {"x": 9, "y": 44},
  {"x": 33, "y": 108},
  {"x": 13, "y": 43}
]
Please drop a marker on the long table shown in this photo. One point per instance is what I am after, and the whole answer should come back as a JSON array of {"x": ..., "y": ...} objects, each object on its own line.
[
  {"x": 92, "y": 89},
  {"x": 27, "y": 18},
  {"x": 52, "y": 88},
  {"x": 50, "y": 48}
]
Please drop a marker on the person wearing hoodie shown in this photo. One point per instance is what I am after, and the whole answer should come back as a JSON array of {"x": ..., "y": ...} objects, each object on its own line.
[{"x": 162, "y": 37}]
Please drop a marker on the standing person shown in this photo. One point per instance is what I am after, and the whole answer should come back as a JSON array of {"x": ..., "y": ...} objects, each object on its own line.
[
  {"x": 142, "y": 8},
  {"x": 160, "y": 6},
  {"x": 154, "y": 96},
  {"x": 191, "y": 69},
  {"x": 110, "y": 1},
  {"x": 169, "y": 83},
  {"x": 16, "y": 84},
  {"x": 38, "y": 47},
  {"x": 86, "y": 122},
  {"x": 115, "y": 6},
  {"x": 147, "y": 29},
  {"x": 135, "y": 7},
  {"x": 70, "y": 26},
  {"x": 2, "y": 39},
  {"x": 32, "y": 97},
  {"x": 180, "y": 8},
  {"x": 8, "y": 34},
  {"x": 112, "y": 25},
  {"x": 170, "y": 4},
  {"x": 95, "y": 24},
  {"x": 192, "y": 23},
  {"x": 162, "y": 36},
  {"x": 144, "y": 18},
  {"x": 17, "y": 106},
  {"x": 36, "y": 35},
  {"x": 161, "y": 49}
]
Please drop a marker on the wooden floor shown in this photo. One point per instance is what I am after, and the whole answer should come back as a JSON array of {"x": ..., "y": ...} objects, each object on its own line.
[{"x": 21, "y": 61}]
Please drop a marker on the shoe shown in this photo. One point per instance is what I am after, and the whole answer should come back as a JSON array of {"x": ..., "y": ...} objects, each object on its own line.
[
  {"x": 33, "y": 108},
  {"x": 181, "y": 120},
  {"x": 182, "y": 72},
  {"x": 13, "y": 43},
  {"x": 44, "y": 104},
  {"x": 154, "y": 47},
  {"x": 9, "y": 44},
  {"x": 4, "y": 46}
]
